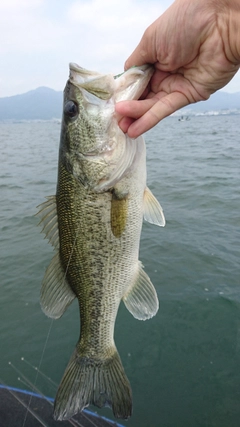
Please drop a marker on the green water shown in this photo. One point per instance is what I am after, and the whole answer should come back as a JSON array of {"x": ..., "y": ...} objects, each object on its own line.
[{"x": 184, "y": 364}]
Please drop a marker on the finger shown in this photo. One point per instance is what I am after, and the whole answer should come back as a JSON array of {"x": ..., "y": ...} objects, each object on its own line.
[
  {"x": 134, "y": 109},
  {"x": 145, "y": 93},
  {"x": 145, "y": 52},
  {"x": 124, "y": 123},
  {"x": 129, "y": 111},
  {"x": 137, "y": 58},
  {"x": 161, "y": 109}
]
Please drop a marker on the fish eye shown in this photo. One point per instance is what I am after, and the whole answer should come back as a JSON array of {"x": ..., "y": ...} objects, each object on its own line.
[{"x": 71, "y": 109}]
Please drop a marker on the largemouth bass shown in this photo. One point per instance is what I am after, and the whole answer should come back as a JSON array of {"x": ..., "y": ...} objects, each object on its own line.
[{"x": 94, "y": 223}]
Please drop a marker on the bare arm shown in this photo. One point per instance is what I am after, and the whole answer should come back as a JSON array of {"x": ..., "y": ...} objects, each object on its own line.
[{"x": 195, "y": 48}]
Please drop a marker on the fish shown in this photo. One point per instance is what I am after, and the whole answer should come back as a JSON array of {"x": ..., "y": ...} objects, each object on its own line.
[{"x": 94, "y": 223}]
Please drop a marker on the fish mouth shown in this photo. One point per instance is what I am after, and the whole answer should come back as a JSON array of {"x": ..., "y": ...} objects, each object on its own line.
[
  {"x": 131, "y": 84},
  {"x": 100, "y": 85},
  {"x": 125, "y": 86},
  {"x": 140, "y": 69}
]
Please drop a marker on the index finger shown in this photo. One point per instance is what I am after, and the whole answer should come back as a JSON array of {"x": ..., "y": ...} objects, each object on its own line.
[{"x": 161, "y": 108}]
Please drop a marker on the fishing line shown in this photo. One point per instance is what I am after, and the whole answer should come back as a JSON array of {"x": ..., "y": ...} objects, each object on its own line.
[
  {"x": 29, "y": 384},
  {"x": 49, "y": 331},
  {"x": 93, "y": 423},
  {"x": 26, "y": 382},
  {"x": 24, "y": 404},
  {"x": 39, "y": 366},
  {"x": 35, "y": 368}
]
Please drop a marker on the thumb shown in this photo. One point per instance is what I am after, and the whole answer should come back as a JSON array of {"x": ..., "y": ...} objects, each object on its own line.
[{"x": 145, "y": 52}]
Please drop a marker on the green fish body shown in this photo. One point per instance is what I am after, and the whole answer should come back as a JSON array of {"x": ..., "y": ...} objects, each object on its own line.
[{"x": 94, "y": 223}]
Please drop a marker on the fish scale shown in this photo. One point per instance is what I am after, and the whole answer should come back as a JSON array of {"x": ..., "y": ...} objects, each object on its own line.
[{"x": 93, "y": 248}]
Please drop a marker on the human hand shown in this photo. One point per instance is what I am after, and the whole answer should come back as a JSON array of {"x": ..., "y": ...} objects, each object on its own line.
[{"x": 195, "y": 48}]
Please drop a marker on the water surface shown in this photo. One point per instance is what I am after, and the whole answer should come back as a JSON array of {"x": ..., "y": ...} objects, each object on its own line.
[{"x": 183, "y": 364}]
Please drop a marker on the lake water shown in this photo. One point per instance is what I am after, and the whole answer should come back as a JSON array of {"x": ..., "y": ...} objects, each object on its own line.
[{"x": 184, "y": 364}]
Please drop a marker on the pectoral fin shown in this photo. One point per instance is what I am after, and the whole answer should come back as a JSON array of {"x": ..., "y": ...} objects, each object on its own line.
[
  {"x": 141, "y": 298},
  {"x": 56, "y": 294},
  {"x": 119, "y": 211},
  {"x": 153, "y": 212}
]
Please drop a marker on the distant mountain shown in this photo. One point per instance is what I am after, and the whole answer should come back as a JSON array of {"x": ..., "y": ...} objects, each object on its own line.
[{"x": 44, "y": 103}]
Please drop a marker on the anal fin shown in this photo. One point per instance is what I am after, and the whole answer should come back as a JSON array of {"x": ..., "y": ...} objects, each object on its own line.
[{"x": 141, "y": 298}]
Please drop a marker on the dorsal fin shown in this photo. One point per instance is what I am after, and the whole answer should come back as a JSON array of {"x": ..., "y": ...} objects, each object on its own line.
[{"x": 49, "y": 220}]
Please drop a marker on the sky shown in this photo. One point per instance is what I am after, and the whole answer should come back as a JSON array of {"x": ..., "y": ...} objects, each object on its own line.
[{"x": 40, "y": 37}]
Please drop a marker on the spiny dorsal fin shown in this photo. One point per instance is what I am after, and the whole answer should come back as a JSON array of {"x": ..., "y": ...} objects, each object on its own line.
[
  {"x": 56, "y": 294},
  {"x": 141, "y": 298},
  {"x": 49, "y": 220},
  {"x": 153, "y": 212}
]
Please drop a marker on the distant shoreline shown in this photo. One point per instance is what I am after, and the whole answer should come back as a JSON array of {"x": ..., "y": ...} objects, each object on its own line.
[
  {"x": 45, "y": 104},
  {"x": 184, "y": 114}
]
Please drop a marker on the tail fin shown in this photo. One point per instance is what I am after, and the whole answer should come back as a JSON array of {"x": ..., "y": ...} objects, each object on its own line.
[{"x": 93, "y": 381}]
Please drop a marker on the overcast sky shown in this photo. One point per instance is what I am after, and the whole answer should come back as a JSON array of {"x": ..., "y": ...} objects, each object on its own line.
[{"x": 40, "y": 37}]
